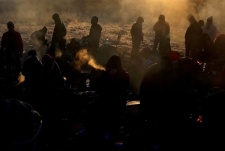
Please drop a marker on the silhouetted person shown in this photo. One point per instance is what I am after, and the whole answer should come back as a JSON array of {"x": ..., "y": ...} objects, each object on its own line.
[
  {"x": 32, "y": 70},
  {"x": 137, "y": 37},
  {"x": 162, "y": 35},
  {"x": 112, "y": 89},
  {"x": 192, "y": 38},
  {"x": 58, "y": 36},
  {"x": 94, "y": 34},
  {"x": 38, "y": 37},
  {"x": 39, "y": 41},
  {"x": 52, "y": 76},
  {"x": 220, "y": 51},
  {"x": 162, "y": 109},
  {"x": 208, "y": 54},
  {"x": 210, "y": 29},
  {"x": 73, "y": 45},
  {"x": 12, "y": 50},
  {"x": 201, "y": 23}
]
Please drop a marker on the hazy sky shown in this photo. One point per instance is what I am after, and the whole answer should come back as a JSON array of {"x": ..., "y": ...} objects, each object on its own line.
[{"x": 116, "y": 11}]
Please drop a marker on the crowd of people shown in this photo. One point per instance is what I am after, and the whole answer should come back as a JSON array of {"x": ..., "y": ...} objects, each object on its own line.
[{"x": 171, "y": 88}]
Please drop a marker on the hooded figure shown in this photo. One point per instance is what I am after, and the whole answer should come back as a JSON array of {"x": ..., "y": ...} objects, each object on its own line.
[
  {"x": 137, "y": 36},
  {"x": 193, "y": 38},
  {"x": 162, "y": 35},
  {"x": 210, "y": 29}
]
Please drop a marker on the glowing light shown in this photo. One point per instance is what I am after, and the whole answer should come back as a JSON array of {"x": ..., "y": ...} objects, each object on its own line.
[
  {"x": 21, "y": 78},
  {"x": 83, "y": 57}
]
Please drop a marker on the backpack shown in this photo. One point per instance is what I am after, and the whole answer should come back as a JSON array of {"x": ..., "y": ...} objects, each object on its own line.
[{"x": 63, "y": 30}]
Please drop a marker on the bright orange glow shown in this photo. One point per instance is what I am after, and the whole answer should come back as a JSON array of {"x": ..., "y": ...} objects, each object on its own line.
[{"x": 21, "y": 78}]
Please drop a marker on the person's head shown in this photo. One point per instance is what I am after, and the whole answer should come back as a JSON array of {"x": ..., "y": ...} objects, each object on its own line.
[
  {"x": 94, "y": 20},
  {"x": 201, "y": 23},
  {"x": 191, "y": 18},
  {"x": 210, "y": 20},
  {"x": 140, "y": 20},
  {"x": 162, "y": 18},
  {"x": 32, "y": 53},
  {"x": 47, "y": 59},
  {"x": 10, "y": 25},
  {"x": 44, "y": 30},
  {"x": 56, "y": 17},
  {"x": 114, "y": 62}
]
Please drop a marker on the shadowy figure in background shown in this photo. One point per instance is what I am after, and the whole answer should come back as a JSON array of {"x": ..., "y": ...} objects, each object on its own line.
[
  {"x": 38, "y": 37},
  {"x": 52, "y": 76},
  {"x": 58, "y": 36},
  {"x": 94, "y": 36},
  {"x": 73, "y": 46},
  {"x": 220, "y": 51},
  {"x": 11, "y": 51},
  {"x": 208, "y": 54},
  {"x": 137, "y": 37},
  {"x": 39, "y": 41},
  {"x": 162, "y": 36},
  {"x": 201, "y": 23},
  {"x": 192, "y": 38},
  {"x": 32, "y": 70},
  {"x": 210, "y": 29}
]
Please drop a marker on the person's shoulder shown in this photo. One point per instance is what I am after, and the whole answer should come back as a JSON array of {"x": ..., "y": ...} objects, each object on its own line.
[
  {"x": 157, "y": 22},
  {"x": 134, "y": 26},
  {"x": 99, "y": 26},
  {"x": 5, "y": 33},
  {"x": 17, "y": 33},
  {"x": 167, "y": 23},
  {"x": 214, "y": 27}
]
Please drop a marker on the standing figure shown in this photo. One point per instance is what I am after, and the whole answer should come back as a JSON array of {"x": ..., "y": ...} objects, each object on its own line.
[
  {"x": 32, "y": 70},
  {"x": 58, "y": 36},
  {"x": 137, "y": 36},
  {"x": 193, "y": 38},
  {"x": 12, "y": 51},
  {"x": 162, "y": 35},
  {"x": 94, "y": 34},
  {"x": 112, "y": 89},
  {"x": 210, "y": 29}
]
